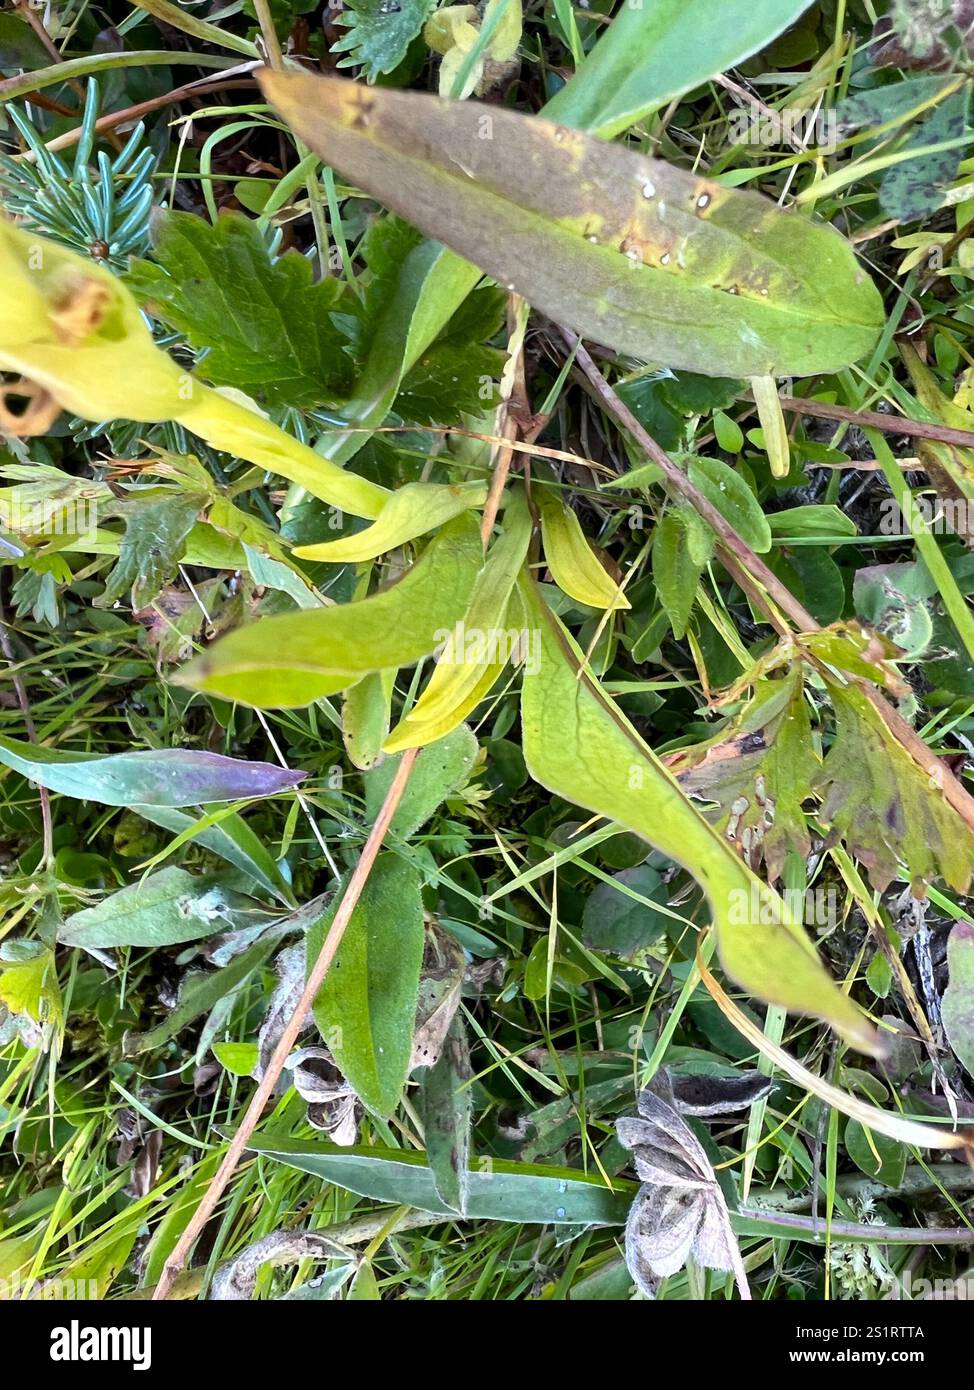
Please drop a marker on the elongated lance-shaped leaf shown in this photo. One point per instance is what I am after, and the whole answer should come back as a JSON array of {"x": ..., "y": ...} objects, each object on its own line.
[
  {"x": 412, "y": 511},
  {"x": 656, "y": 51},
  {"x": 70, "y": 326},
  {"x": 475, "y": 654},
  {"x": 624, "y": 249},
  {"x": 366, "y": 1008},
  {"x": 288, "y": 661},
  {"x": 570, "y": 558},
  {"x": 578, "y": 745},
  {"x": 150, "y": 777}
]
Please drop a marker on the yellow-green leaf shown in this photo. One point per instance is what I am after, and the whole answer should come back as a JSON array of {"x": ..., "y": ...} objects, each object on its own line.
[
  {"x": 365, "y": 717},
  {"x": 624, "y": 249},
  {"x": 579, "y": 746},
  {"x": 413, "y": 511},
  {"x": 73, "y": 328},
  {"x": 573, "y": 563},
  {"x": 291, "y": 660},
  {"x": 475, "y": 654}
]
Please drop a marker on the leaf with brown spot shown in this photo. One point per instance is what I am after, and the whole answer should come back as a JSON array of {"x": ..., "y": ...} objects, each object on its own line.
[
  {"x": 627, "y": 250},
  {"x": 758, "y": 773}
]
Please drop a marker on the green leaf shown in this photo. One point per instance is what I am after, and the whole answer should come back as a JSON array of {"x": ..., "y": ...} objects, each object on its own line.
[
  {"x": 730, "y": 494},
  {"x": 895, "y": 600},
  {"x": 366, "y": 1008},
  {"x": 288, "y": 661},
  {"x": 958, "y": 1002},
  {"x": 440, "y": 769},
  {"x": 379, "y": 34},
  {"x": 656, "y": 51},
  {"x": 231, "y": 838},
  {"x": 916, "y": 188},
  {"x": 446, "y": 1105},
  {"x": 238, "y": 1058},
  {"x": 620, "y": 917},
  {"x": 579, "y": 746},
  {"x": 519, "y": 1192},
  {"x": 425, "y": 289},
  {"x": 365, "y": 718},
  {"x": 20, "y": 47},
  {"x": 884, "y": 806},
  {"x": 457, "y": 374},
  {"x": 624, "y": 249},
  {"x": 414, "y": 510},
  {"x": 877, "y": 1155},
  {"x": 264, "y": 325},
  {"x": 154, "y": 542},
  {"x": 164, "y": 909},
  {"x": 154, "y": 777},
  {"x": 812, "y": 520},
  {"x": 675, "y": 571}
]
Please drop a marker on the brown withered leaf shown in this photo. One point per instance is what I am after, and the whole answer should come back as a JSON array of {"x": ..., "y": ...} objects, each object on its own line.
[
  {"x": 439, "y": 994},
  {"x": 884, "y": 807},
  {"x": 333, "y": 1105},
  {"x": 236, "y": 1280},
  {"x": 758, "y": 773},
  {"x": 679, "y": 1211}
]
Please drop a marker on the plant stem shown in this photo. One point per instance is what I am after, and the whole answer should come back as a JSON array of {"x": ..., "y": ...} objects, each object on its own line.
[{"x": 294, "y": 1026}]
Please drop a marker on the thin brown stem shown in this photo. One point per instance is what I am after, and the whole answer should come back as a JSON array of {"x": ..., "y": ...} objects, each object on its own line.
[
  {"x": 293, "y": 1028},
  {"x": 873, "y": 419},
  {"x": 268, "y": 33},
  {"x": 765, "y": 588}
]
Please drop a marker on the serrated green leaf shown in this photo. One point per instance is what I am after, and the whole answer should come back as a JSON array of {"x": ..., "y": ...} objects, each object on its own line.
[
  {"x": 379, "y": 33},
  {"x": 758, "y": 772},
  {"x": 366, "y": 1008},
  {"x": 264, "y": 325},
  {"x": 624, "y": 249},
  {"x": 884, "y": 807},
  {"x": 155, "y": 539}
]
